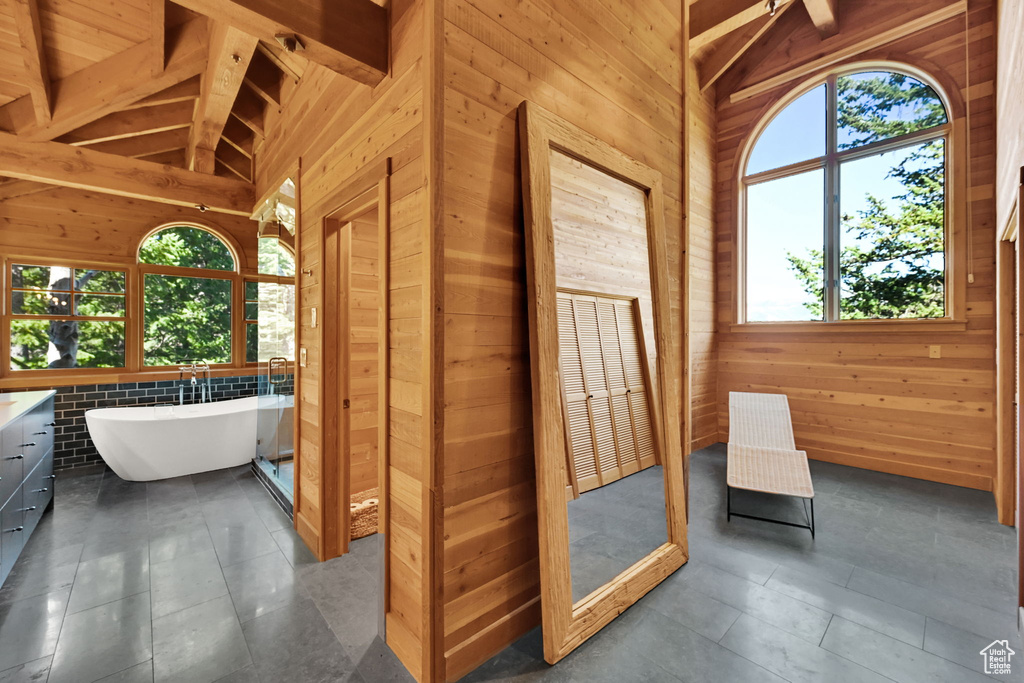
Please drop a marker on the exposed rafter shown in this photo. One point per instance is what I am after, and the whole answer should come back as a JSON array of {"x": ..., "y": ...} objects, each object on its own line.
[
  {"x": 59, "y": 164},
  {"x": 249, "y": 109},
  {"x": 347, "y": 36},
  {"x": 187, "y": 90},
  {"x": 714, "y": 19},
  {"x": 734, "y": 45},
  {"x": 145, "y": 145},
  {"x": 132, "y": 122},
  {"x": 823, "y": 14},
  {"x": 13, "y": 188},
  {"x": 37, "y": 74},
  {"x": 157, "y": 27},
  {"x": 264, "y": 77},
  {"x": 230, "y": 55},
  {"x": 109, "y": 85}
]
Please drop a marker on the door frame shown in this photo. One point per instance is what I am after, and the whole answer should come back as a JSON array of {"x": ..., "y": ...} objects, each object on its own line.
[{"x": 366, "y": 190}]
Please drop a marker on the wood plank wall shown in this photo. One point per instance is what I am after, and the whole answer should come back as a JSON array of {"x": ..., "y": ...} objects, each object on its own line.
[
  {"x": 700, "y": 228},
  {"x": 84, "y": 226},
  {"x": 337, "y": 130},
  {"x": 875, "y": 399},
  {"x": 1010, "y": 110},
  {"x": 364, "y": 305},
  {"x": 613, "y": 68}
]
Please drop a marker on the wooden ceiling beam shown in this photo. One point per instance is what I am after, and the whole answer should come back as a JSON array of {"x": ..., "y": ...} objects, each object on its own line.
[
  {"x": 231, "y": 53},
  {"x": 26, "y": 17},
  {"x": 110, "y": 85},
  {"x": 234, "y": 161},
  {"x": 347, "y": 36},
  {"x": 239, "y": 136},
  {"x": 264, "y": 78},
  {"x": 824, "y": 15},
  {"x": 714, "y": 19},
  {"x": 144, "y": 145},
  {"x": 733, "y": 46},
  {"x": 157, "y": 29},
  {"x": 132, "y": 122},
  {"x": 179, "y": 92},
  {"x": 249, "y": 109},
  {"x": 174, "y": 158},
  {"x": 80, "y": 167},
  {"x": 837, "y": 53}
]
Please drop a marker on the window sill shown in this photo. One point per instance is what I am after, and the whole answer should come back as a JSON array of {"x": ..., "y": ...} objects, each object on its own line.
[
  {"x": 940, "y": 325},
  {"x": 34, "y": 379}
]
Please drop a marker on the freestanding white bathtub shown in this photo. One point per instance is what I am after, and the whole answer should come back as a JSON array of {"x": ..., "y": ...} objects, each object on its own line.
[{"x": 145, "y": 443}]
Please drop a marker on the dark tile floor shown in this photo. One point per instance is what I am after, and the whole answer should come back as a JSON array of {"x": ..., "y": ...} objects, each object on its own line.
[
  {"x": 196, "y": 579},
  {"x": 202, "y": 579},
  {"x": 614, "y": 526},
  {"x": 906, "y": 581}
]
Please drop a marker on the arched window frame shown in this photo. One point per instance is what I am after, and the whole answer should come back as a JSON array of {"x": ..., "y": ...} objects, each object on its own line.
[
  {"x": 955, "y": 192},
  {"x": 237, "y": 294}
]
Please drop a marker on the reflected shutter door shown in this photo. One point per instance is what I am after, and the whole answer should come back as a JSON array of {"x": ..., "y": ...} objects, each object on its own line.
[
  {"x": 615, "y": 376},
  {"x": 588, "y": 334},
  {"x": 639, "y": 407},
  {"x": 579, "y": 435}
]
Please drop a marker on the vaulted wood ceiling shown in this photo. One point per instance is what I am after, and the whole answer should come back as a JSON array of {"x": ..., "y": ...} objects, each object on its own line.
[
  {"x": 158, "y": 81},
  {"x": 721, "y": 31}
]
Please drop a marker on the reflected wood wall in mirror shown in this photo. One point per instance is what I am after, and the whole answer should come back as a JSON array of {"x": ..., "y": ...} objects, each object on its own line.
[{"x": 606, "y": 403}]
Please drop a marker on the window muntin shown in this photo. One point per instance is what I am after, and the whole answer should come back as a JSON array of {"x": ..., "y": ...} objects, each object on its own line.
[
  {"x": 186, "y": 316},
  {"x": 797, "y": 202},
  {"x": 796, "y": 134},
  {"x": 66, "y": 317},
  {"x": 184, "y": 246},
  {"x": 269, "y": 321},
  {"x": 879, "y": 105},
  {"x": 186, "y": 319},
  {"x": 882, "y": 212}
]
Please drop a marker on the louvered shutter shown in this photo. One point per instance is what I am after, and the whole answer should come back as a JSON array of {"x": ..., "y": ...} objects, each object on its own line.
[{"x": 607, "y": 417}]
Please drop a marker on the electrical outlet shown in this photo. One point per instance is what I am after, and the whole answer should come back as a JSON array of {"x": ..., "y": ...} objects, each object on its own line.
[{"x": 935, "y": 351}]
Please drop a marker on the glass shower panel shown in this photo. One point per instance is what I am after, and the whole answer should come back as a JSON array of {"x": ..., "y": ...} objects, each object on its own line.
[{"x": 275, "y": 351}]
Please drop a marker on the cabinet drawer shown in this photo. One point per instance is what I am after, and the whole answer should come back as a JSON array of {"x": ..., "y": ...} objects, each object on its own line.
[
  {"x": 38, "y": 492},
  {"x": 12, "y": 533},
  {"x": 12, "y": 460},
  {"x": 37, "y": 434}
]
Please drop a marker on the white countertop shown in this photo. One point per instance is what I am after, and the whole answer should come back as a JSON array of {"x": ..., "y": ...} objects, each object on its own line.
[{"x": 15, "y": 404}]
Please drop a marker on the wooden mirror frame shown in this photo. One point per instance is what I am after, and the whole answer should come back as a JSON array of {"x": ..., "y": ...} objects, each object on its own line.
[{"x": 567, "y": 625}]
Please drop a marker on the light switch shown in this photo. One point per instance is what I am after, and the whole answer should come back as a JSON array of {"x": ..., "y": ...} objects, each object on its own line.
[
  {"x": 935, "y": 351},
  {"x": 302, "y": 357},
  {"x": 312, "y": 317}
]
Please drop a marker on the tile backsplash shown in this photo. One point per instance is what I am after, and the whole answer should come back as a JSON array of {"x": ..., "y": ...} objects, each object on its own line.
[{"x": 72, "y": 446}]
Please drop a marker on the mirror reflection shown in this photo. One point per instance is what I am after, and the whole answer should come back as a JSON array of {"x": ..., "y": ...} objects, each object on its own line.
[{"x": 615, "y": 488}]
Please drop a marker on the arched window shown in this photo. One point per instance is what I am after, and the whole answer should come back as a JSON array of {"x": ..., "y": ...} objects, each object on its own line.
[
  {"x": 187, "y": 296},
  {"x": 844, "y": 195}
]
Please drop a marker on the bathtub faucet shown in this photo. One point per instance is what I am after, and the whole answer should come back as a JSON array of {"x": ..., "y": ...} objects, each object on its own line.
[{"x": 203, "y": 382}]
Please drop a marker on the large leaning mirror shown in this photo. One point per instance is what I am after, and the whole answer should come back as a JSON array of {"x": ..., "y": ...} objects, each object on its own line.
[{"x": 606, "y": 389}]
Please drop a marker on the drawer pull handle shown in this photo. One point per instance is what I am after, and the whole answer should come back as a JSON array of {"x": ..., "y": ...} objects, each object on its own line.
[
  {"x": 51, "y": 476},
  {"x": 40, "y": 490},
  {"x": 28, "y": 509},
  {"x": 51, "y": 424},
  {"x": 26, "y": 445},
  {"x": 19, "y": 456},
  {"x": 17, "y": 528},
  {"x": 40, "y": 434}
]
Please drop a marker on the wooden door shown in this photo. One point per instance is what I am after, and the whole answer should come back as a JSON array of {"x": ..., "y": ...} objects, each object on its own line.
[{"x": 605, "y": 390}]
